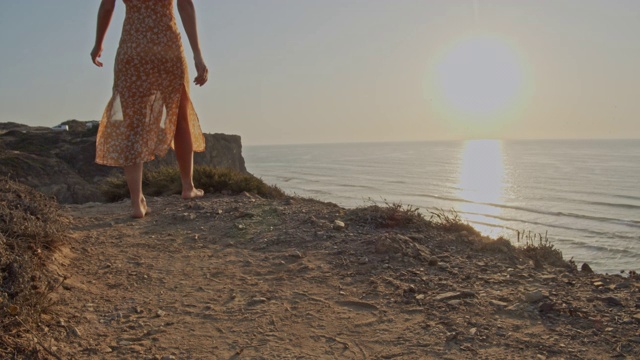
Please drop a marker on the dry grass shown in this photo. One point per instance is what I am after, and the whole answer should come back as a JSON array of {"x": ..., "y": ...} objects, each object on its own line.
[
  {"x": 166, "y": 181},
  {"x": 541, "y": 251},
  {"x": 392, "y": 215},
  {"x": 31, "y": 228},
  {"x": 450, "y": 221}
]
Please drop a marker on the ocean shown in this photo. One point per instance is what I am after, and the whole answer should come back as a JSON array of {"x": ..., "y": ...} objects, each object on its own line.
[{"x": 584, "y": 195}]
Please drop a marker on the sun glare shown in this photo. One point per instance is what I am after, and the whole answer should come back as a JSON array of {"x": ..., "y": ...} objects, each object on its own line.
[
  {"x": 481, "y": 184},
  {"x": 479, "y": 77}
]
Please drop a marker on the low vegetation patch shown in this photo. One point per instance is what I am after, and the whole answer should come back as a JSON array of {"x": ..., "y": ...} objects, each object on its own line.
[
  {"x": 166, "y": 181},
  {"x": 31, "y": 228},
  {"x": 541, "y": 251},
  {"x": 450, "y": 221},
  {"x": 391, "y": 215}
]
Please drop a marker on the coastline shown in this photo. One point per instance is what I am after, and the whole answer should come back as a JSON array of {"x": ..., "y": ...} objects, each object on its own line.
[{"x": 580, "y": 193}]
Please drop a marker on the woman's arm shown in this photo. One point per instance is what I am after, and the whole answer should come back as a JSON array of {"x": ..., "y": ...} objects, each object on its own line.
[
  {"x": 188, "y": 16},
  {"x": 104, "y": 19}
]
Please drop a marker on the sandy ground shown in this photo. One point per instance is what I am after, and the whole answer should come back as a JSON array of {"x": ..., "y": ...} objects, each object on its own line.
[{"x": 239, "y": 277}]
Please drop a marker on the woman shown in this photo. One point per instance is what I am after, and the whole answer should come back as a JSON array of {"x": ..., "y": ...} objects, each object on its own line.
[{"x": 150, "y": 109}]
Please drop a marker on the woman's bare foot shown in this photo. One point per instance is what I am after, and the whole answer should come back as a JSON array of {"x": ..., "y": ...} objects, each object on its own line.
[
  {"x": 140, "y": 208},
  {"x": 193, "y": 193}
]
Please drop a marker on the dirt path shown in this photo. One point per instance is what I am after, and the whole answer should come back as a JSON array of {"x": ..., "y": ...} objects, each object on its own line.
[{"x": 237, "y": 277}]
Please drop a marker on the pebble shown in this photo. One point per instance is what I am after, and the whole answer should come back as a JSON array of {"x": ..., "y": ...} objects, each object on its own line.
[
  {"x": 497, "y": 303},
  {"x": 196, "y": 206},
  {"x": 168, "y": 357},
  {"x": 240, "y": 226},
  {"x": 363, "y": 260},
  {"x": 533, "y": 296},
  {"x": 187, "y": 216},
  {"x": 586, "y": 268},
  {"x": 636, "y": 317},
  {"x": 74, "y": 331},
  {"x": 160, "y": 313},
  {"x": 454, "y": 295},
  {"x": 433, "y": 261},
  {"x": 256, "y": 301},
  {"x": 338, "y": 225},
  {"x": 612, "y": 300}
]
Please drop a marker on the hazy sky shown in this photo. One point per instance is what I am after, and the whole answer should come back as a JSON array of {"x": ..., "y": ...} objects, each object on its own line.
[{"x": 314, "y": 71}]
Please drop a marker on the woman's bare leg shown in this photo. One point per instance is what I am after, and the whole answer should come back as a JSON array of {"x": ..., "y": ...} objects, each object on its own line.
[
  {"x": 133, "y": 174},
  {"x": 184, "y": 150}
]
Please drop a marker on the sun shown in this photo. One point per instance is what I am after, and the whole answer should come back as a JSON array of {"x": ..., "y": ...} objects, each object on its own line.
[{"x": 479, "y": 77}]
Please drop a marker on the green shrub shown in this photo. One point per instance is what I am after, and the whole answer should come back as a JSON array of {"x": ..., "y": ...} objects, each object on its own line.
[{"x": 166, "y": 181}]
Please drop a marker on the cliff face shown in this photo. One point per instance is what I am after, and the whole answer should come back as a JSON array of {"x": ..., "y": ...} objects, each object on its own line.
[{"x": 62, "y": 163}]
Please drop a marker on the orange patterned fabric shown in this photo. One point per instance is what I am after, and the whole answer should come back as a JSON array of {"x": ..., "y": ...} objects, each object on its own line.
[{"x": 150, "y": 78}]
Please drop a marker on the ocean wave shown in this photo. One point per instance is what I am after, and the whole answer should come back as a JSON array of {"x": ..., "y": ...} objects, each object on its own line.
[
  {"x": 623, "y": 222},
  {"x": 600, "y": 234}
]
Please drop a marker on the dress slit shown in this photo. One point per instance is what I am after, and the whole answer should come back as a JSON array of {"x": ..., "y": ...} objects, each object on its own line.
[{"x": 150, "y": 79}]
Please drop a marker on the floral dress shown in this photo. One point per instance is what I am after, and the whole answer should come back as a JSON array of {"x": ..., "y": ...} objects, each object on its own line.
[{"x": 151, "y": 76}]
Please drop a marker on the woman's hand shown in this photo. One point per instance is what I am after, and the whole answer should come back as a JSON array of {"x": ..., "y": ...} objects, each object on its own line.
[
  {"x": 95, "y": 55},
  {"x": 203, "y": 72}
]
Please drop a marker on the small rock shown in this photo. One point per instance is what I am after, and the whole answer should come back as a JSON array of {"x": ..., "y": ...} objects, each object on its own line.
[
  {"x": 623, "y": 285},
  {"x": 73, "y": 331},
  {"x": 338, "y": 225},
  {"x": 612, "y": 300},
  {"x": 196, "y": 206},
  {"x": 168, "y": 357},
  {"x": 546, "y": 307},
  {"x": 433, "y": 261},
  {"x": 473, "y": 331},
  {"x": 239, "y": 226},
  {"x": 533, "y": 296},
  {"x": 256, "y": 301},
  {"x": 420, "y": 297},
  {"x": 187, "y": 216},
  {"x": 586, "y": 268},
  {"x": 454, "y": 295},
  {"x": 598, "y": 284},
  {"x": 247, "y": 196},
  {"x": 636, "y": 317},
  {"x": 160, "y": 313},
  {"x": 363, "y": 260},
  {"x": 498, "y": 304},
  {"x": 452, "y": 336},
  {"x": 454, "y": 302}
]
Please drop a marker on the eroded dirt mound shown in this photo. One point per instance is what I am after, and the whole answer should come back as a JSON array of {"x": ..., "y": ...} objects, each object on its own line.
[
  {"x": 32, "y": 230},
  {"x": 242, "y": 277}
]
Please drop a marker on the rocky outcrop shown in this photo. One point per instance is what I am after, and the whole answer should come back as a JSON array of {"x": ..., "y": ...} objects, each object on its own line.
[{"x": 61, "y": 163}]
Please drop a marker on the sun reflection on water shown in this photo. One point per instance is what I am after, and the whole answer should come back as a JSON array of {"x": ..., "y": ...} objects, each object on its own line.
[{"x": 481, "y": 183}]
